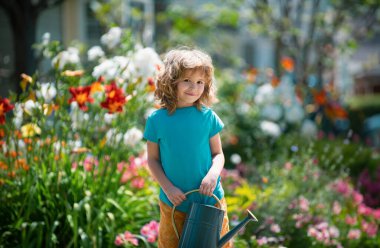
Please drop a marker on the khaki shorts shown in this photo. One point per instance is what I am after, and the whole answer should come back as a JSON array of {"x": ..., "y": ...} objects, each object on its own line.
[{"x": 166, "y": 235}]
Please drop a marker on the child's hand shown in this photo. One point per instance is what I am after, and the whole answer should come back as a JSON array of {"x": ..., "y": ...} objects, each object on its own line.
[
  {"x": 175, "y": 195},
  {"x": 208, "y": 184}
]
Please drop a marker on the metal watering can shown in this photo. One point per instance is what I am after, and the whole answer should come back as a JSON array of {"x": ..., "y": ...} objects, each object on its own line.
[{"x": 203, "y": 225}]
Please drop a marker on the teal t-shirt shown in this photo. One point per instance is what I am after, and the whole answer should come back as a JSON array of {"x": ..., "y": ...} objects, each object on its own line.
[{"x": 185, "y": 152}]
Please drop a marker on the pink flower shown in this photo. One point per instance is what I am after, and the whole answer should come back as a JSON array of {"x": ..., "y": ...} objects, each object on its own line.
[
  {"x": 89, "y": 163},
  {"x": 312, "y": 232},
  {"x": 354, "y": 234},
  {"x": 334, "y": 232},
  {"x": 364, "y": 210},
  {"x": 369, "y": 228},
  {"x": 376, "y": 214},
  {"x": 138, "y": 183},
  {"x": 337, "y": 208},
  {"x": 150, "y": 231},
  {"x": 121, "y": 166},
  {"x": 275, "y": 228},
  {"x": 320, "y": 135},
  {"x": 119, "y": 240},
  {"x": 322, "y": 226},
  {"x": 358, "y": 198},
  {"x": 288, "y": 166},
  {"x": 129, "y": 237},
  {"x": 351, "y": 220},
  {"x": 342, "y": 187},
  {"x": 126, "y": 176},
  {"x": 262, "y": 241},
  {"x": 303, "y": 204},
  {"x": 74, "y": 165}
]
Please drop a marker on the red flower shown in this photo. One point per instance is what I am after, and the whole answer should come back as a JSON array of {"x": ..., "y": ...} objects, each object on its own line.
[
  {"x": 81, "y": 95},
  {"x": 5, "y": 106},
  {"x": 151, "y": 85},
  {"x": 334, "y": 110},
  {"x": 115, "y": 99},
  {"x": 320, "y": 97}
]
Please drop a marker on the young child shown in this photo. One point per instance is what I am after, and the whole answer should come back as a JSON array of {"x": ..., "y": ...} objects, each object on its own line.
[{"x": 183, "y": 142}]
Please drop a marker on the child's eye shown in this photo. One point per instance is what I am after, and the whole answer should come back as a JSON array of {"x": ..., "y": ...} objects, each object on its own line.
[
  {"x": 186, "y": 80},
  {"x": 200, "y": 82}
]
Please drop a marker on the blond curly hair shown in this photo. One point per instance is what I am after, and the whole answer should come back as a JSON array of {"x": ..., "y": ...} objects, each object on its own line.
[{"x": 176, "y": 62}]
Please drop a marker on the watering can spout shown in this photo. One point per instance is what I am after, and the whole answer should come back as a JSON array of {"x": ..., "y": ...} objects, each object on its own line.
[{"x": 232, "y": 233}]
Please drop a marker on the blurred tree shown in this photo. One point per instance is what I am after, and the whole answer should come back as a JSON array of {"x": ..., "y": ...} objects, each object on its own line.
[
  {"x": 309, "y": 32},
  {"x": 23, "y": 16}
]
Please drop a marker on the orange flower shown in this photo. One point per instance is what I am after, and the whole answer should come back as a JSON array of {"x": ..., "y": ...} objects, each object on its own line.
[
  {"x": 21, "y": 163},
  {"x": 251, "y": 74},
  {"x": 275, "y": 81},
  {"x": 69, "y": 73},
  {"x": 287, "y": 63},
  {"x": 115, "y": 99},
  {"x": 81, "y": 95},
  {"x": 97, "y": 87},
  {"x": 13, "y": 154},
  {"x": 12, "y": 174},
  {"x": 264, "y": 179},
  {"x": 233, "y": 140},
  {"x": 5, "y": 106},
  {"x": 3, "y": 166}
]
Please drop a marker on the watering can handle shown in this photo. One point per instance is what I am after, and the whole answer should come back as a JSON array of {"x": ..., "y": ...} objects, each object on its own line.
[{"x": 173, "y": 210}]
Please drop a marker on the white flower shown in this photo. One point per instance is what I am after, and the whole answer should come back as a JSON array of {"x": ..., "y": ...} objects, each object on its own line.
[
  {"x": 132, "y": 136},
  {"x": 117, "y": 66},
  {"x": 235, "y": 158},
  {"x": 308, "y": 128},
  {"x": 94, "y": 53},
  {"x": 45, "y": 38},
  {"x": 18, "y": 115},
  {"x": 265, "y": 94},
  {"x": 272, "y": 112},
  {"x": 74, "y": 144},
  {"x": 47, "y": 91},
  {"x": 112, "y": 38},
  {"x": 78, "y": 118},
  {"x": 69, "y": 56},
  {"x": 108, "y": 118},
  {"x": 243, "y": 108},
  {"x": 146, "y": 61},
  {"x": 270, "y": 128},
  {"x": 113, "y": 138},
  {"x": 30, "y": 107},
  {"x": 294, "y": 114}
]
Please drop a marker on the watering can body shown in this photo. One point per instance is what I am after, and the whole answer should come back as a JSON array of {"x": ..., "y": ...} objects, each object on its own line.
[{"x": 202, "y": 227}]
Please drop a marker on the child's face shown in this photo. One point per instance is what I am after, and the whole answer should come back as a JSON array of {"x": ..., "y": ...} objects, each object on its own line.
[{"x": 190, "y": 87}]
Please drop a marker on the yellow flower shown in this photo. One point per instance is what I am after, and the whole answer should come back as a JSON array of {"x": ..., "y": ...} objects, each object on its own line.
[
  {"x": 30, "y": 129},
  {"x": 25, "y": 80}
]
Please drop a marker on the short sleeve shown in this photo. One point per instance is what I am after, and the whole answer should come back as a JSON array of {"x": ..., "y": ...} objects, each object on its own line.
[
  {"x": 216, "y": 124},
  {"x": 150, "y": 132}
]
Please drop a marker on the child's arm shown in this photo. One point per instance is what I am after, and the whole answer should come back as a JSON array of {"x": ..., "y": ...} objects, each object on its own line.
[
  {"x": 175, "y": 195},
  {"x": 209, "y": 181}
]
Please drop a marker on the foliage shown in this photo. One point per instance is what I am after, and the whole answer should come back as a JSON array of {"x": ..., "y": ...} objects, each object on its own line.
[
  {"x": 300, "y": 204},
  {"x": 73, "y": 171}
]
